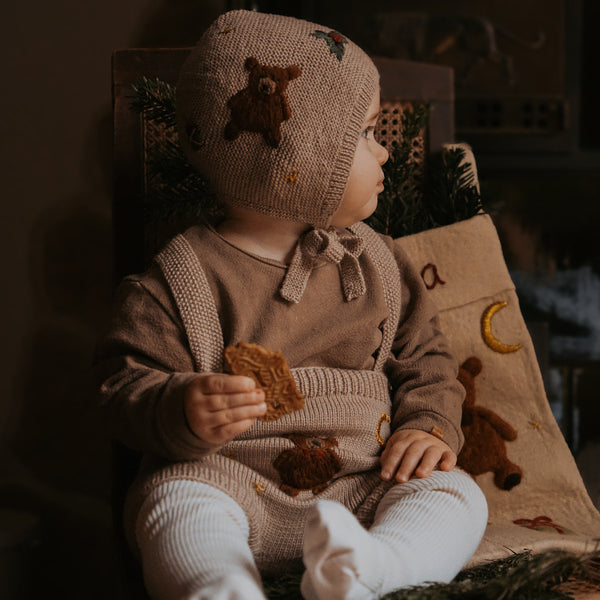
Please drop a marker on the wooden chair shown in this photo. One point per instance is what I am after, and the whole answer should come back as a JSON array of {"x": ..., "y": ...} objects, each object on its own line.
[{"x": 137, "y": 240}]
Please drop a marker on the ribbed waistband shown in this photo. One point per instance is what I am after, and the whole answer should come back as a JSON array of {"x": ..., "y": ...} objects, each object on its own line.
[{"x": 320, "y": 381}]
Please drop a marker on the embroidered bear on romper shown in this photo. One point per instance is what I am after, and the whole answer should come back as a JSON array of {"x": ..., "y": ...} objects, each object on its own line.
[
  {"x": 486, "y": 434},
  {"x": 262, "y": 106},
  {"x": 309, "y": 466}
]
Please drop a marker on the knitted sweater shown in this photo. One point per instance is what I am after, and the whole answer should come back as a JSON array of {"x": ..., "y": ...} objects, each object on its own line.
[{"x": 366, "y": 367}]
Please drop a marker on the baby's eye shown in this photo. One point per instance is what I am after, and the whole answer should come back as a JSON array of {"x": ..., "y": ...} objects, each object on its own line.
[{"x": 369, "y": 132}]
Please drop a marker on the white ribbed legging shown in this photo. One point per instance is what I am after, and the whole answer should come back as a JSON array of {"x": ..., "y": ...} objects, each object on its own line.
[{"x": 193, "y": 539}]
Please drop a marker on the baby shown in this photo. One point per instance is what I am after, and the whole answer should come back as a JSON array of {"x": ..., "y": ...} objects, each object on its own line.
[{"x": 359, "y": 485}]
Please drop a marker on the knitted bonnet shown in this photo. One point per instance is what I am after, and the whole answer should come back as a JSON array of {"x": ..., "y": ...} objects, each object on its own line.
[{"x": 270, "y": 110}]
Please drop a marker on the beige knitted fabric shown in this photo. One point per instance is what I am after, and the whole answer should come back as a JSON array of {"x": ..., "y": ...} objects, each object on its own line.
[
  {"x": 346, "y": 415},
  {"x": 270, "y": 110},
  {"x": 189, "y": 284},
  {"x": 341, "y": 248}
]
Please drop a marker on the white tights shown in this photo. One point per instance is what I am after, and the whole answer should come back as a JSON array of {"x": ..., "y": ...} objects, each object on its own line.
[
  {"x": 194, "y": 542},
  {"x": 194, "y": 545}
]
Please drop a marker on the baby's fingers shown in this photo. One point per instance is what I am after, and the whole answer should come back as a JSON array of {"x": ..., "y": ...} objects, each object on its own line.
[
  {"x": 393, "y": 455},
  {"x": 234, "y": 414},
  {"x": 217, "y": 403},
  {"x": 222, "y": 426},
  {"x": 410, "y": 461},
  {"x": 223, "y": 383},
  {"x": 429, "y": 462},
  {"x": 222, "y": 435},
  {"x": 448, "y": 461}
]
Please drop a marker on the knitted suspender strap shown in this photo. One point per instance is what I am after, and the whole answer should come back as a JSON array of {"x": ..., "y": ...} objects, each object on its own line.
[
  {"x": 388, "y": 271},
  {"x": 195, "y": 302}
]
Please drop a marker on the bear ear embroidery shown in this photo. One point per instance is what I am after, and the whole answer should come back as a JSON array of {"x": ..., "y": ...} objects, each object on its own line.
[
  {"x": 251, "y": 63},
  {"x": 473, "y": 366},
  {"x": 262, "y": 106},
  {"x": 294, "y": 72}
]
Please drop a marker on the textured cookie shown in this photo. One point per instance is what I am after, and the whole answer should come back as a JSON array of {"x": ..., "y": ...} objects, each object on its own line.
[{"x": 271, "y": 373}]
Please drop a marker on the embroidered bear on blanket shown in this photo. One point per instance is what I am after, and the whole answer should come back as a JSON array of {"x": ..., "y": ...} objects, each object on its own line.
[{"x": 486, "y": 434}]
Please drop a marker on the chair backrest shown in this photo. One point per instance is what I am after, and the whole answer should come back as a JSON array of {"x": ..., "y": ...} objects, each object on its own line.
[{"x": 403, "y": 83}]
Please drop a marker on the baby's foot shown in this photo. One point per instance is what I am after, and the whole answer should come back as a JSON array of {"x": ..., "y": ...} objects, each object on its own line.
[{"x": 343, "y": 561}]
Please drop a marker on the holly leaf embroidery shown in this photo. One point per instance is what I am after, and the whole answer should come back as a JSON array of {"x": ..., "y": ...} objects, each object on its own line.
[{"x": 334, "y": 40}]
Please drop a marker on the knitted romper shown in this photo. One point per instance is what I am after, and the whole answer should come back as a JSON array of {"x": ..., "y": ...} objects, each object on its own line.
[{"x": 331, "y": 446}]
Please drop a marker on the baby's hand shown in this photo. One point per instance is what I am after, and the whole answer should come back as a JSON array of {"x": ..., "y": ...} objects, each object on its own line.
[
  {"x": 219, "y": 406},
  {"x": 411, "y": 452}
]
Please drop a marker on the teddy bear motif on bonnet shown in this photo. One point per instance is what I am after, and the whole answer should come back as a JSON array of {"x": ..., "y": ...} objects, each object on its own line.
[{"x": 270, "y": 110}]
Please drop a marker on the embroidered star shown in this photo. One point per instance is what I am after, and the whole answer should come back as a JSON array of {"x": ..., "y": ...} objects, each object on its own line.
[
  {"x": 293, "y": 176},
  {"x": 535, "y": 424}
]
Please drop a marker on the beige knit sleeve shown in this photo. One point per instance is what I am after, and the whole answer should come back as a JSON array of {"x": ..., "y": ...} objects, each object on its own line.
[
  {"x": 422, "y": 371},
  {"x": 141, "y": 368}
]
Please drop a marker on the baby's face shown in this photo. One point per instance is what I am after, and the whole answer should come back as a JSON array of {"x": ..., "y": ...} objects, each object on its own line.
[{"x": 366, "y": 176}]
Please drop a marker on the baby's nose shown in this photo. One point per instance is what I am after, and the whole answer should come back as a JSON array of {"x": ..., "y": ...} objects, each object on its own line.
[{"x": 383, "y": 154}]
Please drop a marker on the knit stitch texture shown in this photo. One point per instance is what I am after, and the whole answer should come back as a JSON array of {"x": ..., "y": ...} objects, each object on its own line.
[{"x": 285, "y": 146}]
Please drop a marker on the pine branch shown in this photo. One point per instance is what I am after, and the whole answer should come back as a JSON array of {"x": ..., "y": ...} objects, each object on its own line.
[
  {"x": 156, "y": 100},
  {"x": 451, "y": 191},
  {"x": 519, "y": 577},
  {"x": 399, "y": 208},
  {"x": 175, "y": 191}
]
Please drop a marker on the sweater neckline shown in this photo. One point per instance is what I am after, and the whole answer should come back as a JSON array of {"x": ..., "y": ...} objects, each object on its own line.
[{"x": 263, "y": 259}]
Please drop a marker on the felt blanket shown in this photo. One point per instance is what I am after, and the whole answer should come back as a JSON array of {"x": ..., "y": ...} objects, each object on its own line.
[{"x": 540, "y": 502}]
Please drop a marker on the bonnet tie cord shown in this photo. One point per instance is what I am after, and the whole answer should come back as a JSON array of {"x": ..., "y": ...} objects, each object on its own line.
[{"x": 339, "y": 247}]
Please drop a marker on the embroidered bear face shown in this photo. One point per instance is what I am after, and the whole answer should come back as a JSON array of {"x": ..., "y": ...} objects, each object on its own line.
[
  {"x": 262, "y": 106},
  {"x": 308, "y": 466}
]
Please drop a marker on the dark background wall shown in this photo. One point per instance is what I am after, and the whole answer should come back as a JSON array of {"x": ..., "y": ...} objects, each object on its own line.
[
  {"x": 55, "y": 114},
  {"x": 55, "y": 165}
]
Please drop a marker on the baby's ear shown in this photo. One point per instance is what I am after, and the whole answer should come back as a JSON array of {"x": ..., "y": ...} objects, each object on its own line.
[
  {"x": 251, "y": 63},
  {"x": 294, "y": 71}
]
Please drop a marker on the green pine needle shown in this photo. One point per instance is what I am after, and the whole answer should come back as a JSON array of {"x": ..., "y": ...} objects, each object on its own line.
[
  {"x": 156, "y": 100},
  {"x": 451, "y": 192}
]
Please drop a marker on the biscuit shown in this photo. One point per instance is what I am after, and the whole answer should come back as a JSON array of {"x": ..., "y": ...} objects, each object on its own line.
[{"x": 271, "y": 373}]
